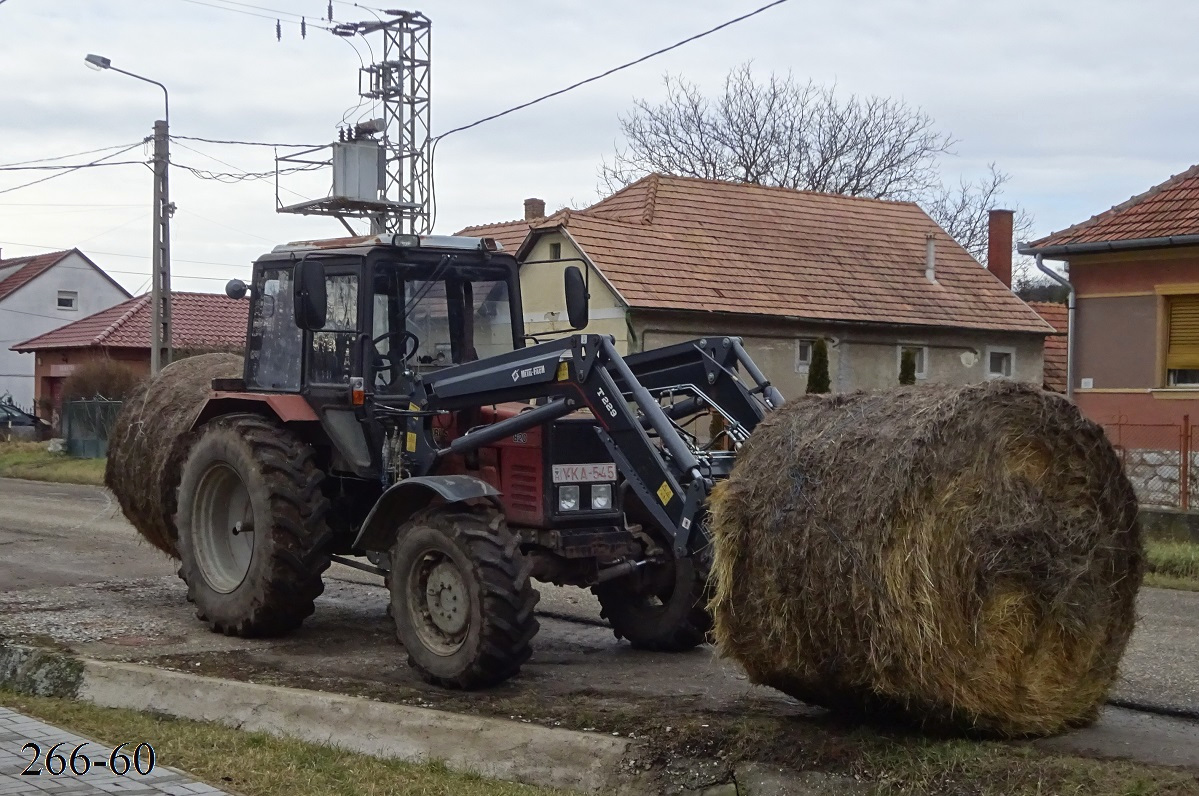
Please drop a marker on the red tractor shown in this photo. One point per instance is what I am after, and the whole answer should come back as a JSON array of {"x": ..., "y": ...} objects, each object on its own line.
[{"x": 394, "y": 416}]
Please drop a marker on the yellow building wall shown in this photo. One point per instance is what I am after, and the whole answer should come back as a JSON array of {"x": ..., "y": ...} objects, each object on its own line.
[{"x": 544, "y": 297}]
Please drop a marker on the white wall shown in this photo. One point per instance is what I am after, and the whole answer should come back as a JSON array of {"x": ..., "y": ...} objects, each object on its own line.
[{"x": 33, "y": 309}]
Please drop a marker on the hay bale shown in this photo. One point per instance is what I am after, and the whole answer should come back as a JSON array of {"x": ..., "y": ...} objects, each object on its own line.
[
  {"x": 965, "y": 557},
  {"x": 150, "y": 441}
]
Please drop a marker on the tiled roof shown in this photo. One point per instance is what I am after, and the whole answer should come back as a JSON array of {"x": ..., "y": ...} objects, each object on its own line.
[
  {"x": 691, "y": 244},
  {"x": 510, "y": 234},
  {"x": 198, "y": 320},
  {"x": 26, "y": 269},
  {"x": 1056, "y": 345},
  {"x": 1163, "y": 211}
]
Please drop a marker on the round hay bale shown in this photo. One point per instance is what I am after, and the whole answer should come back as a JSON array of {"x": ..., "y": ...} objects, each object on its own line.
[
  {"x": 965, "y": 557},
  {"x": 151, "y": 439}
]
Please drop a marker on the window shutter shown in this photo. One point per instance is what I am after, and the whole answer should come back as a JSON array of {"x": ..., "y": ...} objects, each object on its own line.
[{"x": 1182, "y": 352}]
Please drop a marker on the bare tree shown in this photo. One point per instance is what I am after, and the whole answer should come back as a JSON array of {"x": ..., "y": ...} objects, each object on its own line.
[{"x": 783, "y": 133}]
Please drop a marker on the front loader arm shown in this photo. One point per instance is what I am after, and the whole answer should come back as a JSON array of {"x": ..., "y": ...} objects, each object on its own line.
[{"x": 707, "y": 368}]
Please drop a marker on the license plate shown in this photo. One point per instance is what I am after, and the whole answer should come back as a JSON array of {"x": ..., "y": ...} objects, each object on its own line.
[{"x": 584, "y": 473}]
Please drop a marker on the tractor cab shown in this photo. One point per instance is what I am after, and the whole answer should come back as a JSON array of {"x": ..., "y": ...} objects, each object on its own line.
[{"x": 331, "y": 319}]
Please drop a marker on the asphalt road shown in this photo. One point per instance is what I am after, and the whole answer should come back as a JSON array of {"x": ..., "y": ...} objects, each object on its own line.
[{"x": 73, "y": 570}]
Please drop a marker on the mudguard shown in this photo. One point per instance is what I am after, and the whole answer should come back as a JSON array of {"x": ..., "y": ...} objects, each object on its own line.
[{"x": 402, "y": 500}]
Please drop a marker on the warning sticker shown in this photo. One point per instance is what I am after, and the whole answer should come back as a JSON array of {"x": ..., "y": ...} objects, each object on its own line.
[{"x": 665, "y": 493}]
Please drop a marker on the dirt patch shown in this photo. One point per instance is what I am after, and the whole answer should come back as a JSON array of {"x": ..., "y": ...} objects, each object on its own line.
[{"x": 686, "y": 744}]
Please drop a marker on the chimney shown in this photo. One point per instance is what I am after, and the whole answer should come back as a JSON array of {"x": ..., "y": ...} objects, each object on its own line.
[
  {"x": 534, "y": 209},
  {"x": 930, "y": 257},
  {"x": 999, "y": 244}
]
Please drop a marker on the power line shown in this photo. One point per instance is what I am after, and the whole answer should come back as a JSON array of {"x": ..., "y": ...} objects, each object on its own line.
[
  {"x": 572, "y": 87},
  {"x": 64, "y": 157},
  {"x": 70, "y": 169},
  {"x": 275, "y": 14},
  {"x": 241, "y": 143},
  {"x": 117, "y": 254},
  {"x": 613, "y": 70},
  {"x": 231, "y": 177}
]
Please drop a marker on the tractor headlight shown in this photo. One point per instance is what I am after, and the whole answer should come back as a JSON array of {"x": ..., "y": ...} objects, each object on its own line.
[
  {"x": 601, "y": 497},
  {"x": 568, "y": 498}
]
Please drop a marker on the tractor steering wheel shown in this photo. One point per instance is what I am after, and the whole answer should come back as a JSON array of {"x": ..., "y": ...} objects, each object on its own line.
[
  {"x": 407, "y": 340},
  {"x": 409, "y": 344}
]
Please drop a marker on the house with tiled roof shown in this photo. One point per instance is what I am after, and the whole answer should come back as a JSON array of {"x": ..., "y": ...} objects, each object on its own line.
[
  {"x": 40, "y": 293},
  {"x": 1057, "y": 316},
  {"x": 1134, "y": 269},
  {"x": 199, "y": 322},
  {"x": 674, "y": 258}
]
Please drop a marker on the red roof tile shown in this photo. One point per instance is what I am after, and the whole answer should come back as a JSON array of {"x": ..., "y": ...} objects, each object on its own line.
[
  {"x": 683, "y": 243},
  {"x": 1165, "y": 210},
  {"x": 1056, "y": 345},
  {"x": 27, "y": 269},
  {"x": 198, "y": 320},
  {"x": 510, "y": 234}
]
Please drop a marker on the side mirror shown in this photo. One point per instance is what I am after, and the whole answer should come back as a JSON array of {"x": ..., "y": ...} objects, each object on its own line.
[
  {"x": 310, "y": 300},
  {"x": 576, "y": 297},
  {"x": 236, "y": 289}
]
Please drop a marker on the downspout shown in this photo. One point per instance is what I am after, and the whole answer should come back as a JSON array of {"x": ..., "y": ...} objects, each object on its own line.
[{"x": 1069, "y": 323}]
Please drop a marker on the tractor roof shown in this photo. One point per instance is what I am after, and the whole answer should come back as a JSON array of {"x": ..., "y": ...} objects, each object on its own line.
[{"x": 361, "y": 243}]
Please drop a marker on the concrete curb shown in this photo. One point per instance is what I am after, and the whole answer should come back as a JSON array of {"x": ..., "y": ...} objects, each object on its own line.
[{"x": 492, "y": 748}]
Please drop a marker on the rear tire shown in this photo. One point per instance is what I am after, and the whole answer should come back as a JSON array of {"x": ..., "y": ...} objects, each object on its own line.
[
  {"x": 250, "y": 511},
  {"x": 671, "y": 617},
  {"x": 462, "y": 597}
]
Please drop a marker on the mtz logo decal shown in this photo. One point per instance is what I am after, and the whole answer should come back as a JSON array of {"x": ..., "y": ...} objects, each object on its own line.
[{"x": 527, "y": 373}]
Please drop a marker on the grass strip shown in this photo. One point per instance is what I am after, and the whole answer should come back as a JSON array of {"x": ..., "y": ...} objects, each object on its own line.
[
  {"x": 31, "y": 461},
  {"x": 257, "y": 764}
]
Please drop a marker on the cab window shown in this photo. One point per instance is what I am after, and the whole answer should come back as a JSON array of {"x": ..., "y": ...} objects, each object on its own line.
[
  {"x": 331, "y": 357},
  {"x": 275, "y": 341}
]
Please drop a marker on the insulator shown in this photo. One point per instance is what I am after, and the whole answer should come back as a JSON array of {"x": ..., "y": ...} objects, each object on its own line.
[
  {"x": 278, "y": 30},
  {"x": 303, "y": 28}
]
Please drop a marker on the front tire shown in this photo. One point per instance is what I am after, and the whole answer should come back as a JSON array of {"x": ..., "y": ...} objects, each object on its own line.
[
  {"x": 250, "y": 512},
  {"x": 462, "y": 597},
  {"x": 669, "y": 614}
]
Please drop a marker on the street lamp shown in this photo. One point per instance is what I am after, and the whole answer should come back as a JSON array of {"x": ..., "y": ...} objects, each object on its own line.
[{"x": 160, "y": 335}]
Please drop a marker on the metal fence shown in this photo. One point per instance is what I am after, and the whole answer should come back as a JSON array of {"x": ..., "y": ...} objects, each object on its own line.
[
  {"x": 1161, "y": 460},
  {"x": 86, "y": 425}
]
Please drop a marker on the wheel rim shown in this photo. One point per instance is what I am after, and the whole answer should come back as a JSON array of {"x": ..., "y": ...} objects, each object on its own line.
[
  {"x": 223, "y": 528},
  {"x": 438, "y": 602}
]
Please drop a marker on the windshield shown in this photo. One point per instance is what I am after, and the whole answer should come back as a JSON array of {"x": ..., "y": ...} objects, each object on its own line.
[{"x": 434, "y": 322}]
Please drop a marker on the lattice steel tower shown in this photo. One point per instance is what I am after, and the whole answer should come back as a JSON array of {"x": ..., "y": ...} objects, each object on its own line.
[
  {"x": 401, "y": 83},
  {"x": 393, "y": 185}
]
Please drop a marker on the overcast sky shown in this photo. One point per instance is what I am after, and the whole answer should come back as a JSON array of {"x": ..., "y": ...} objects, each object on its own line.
[{"x": 1083, "y": 102}]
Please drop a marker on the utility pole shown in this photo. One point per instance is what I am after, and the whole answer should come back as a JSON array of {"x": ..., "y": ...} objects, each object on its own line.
[
  {"x": 160, "y": 334},
  {"x": 160, "y": 331}
]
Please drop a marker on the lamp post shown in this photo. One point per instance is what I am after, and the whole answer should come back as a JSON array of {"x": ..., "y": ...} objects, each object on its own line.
[{"x": 160, "y": 334}]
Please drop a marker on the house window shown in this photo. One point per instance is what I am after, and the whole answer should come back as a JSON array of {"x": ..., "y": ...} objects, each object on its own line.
[
  {"x": 921, "y": 354},
  {"x": 68, "y": 300},
  {"x": 555, "y": 251},
  {"x": 1001, "y": 363},
  {"x": 1182, "y": 377},
  {"x": 1182, "y": 343},
  {"x": 803, "y": 355}
]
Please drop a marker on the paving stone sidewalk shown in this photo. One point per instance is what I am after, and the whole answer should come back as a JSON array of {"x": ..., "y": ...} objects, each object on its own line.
[{"x": 16, "y": 730}]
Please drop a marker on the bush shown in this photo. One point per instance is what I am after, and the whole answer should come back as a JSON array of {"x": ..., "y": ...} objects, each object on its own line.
[
  {"x": 818, "y": 381},
  {"x": 100, "y": 378}
]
